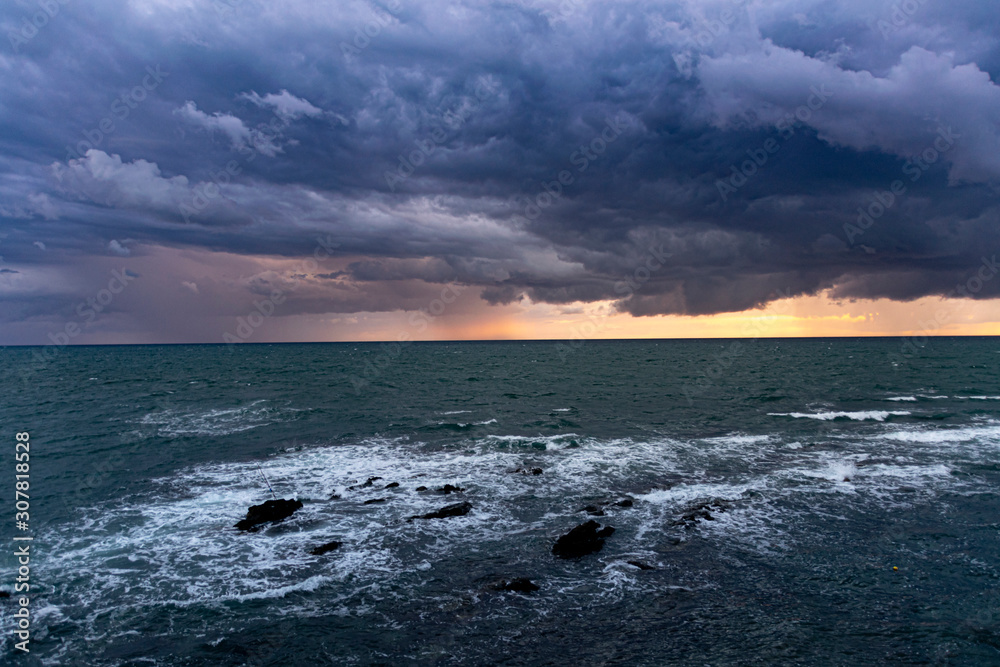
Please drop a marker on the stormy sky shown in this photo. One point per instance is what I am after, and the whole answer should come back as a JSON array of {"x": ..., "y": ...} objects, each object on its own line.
[{"x": 169, "y": 166}]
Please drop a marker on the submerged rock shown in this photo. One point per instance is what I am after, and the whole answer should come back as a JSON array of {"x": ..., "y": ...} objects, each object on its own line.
[
  {"x": 4, "y": 595},
  {"x": 371, "y": 480},
  {"x": 392, "y": 485},
  {"x": 270, "y": 512},
  {"x": 529, "y": 471},
  {"x": 458, "y": 509},
  {"x": 421, "y": 488},
  {"x": 448, "y": 488},
  {"x": 694, "y": 513},
  {"x": 518, "y": 585},
  {"x": 325, "y": 548},
  {"x": 375, "y": 500},
  {"x": 640, "y": 565},
  {"x": 627, "y": 502},
  {"x": 593, "y": 510},
  {"x": 587, "y": 538}
]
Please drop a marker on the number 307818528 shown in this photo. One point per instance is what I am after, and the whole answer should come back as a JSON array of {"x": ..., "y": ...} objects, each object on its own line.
[{"x": 21, "y": 454}]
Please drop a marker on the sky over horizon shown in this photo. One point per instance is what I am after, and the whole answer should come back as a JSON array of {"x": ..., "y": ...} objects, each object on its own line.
[{"x": 235, "y": 170}]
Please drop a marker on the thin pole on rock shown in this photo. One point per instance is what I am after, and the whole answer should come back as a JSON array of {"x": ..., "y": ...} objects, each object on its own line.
[{"x": 266, "y": 482}]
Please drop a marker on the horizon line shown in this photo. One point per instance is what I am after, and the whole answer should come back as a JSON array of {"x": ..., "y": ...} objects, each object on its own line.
[{"x": 501, "y": 340}]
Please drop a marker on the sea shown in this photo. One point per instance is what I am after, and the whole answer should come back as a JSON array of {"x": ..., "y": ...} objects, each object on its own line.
[{"x": 793, "y": 502}]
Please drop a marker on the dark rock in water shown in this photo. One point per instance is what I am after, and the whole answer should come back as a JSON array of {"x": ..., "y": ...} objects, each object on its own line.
[
  {"x": 270, "y": 512},
  {"x": 640, "y": 565},
  {"x": 448, "y": 488},
  {"x": 528, "y": 471},
  {"x": 375, "y": 500},
  {"x": 627, "y": 502},
  {"x": 847, "y": 479},
  {"x": 4, "y": 595},
  {"x": 329, "y": 546},
  {"x": 458, "y": 509},
  {"x": 582, "y": 540},
  {"x": 593, "y": 510},
  {"x": 421, "y": 488},
  {"x": 335, "y": 496},
  {"x": 371, "y": 480},
  {"x": 694, "y": 513},
  {"x": 392, "y": 485},
  {"x": 519, "y": 585}
]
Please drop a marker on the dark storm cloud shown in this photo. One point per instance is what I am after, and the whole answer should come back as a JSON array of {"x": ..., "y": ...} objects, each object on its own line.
[{"x": 540, "y": 149}]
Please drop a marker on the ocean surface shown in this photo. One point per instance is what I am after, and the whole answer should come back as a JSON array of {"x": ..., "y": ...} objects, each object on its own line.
[{"x": 830, "y": 462}]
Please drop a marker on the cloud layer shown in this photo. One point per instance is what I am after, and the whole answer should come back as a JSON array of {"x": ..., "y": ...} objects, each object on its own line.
[{"x": 671, "y": 157}]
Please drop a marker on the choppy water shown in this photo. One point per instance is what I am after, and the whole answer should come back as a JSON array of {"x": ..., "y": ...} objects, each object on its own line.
[{"x": 839, "y": 459}]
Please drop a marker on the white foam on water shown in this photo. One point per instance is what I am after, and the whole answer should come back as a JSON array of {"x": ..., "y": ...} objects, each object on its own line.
[
  {"x": 842, "y": 471},
  {"x": 456, "y": 412},
  {"x": 216, "y": 421},
  {"x": 861, "y": 415},
  {"x": 989, "y": 433},
  {"x": 902, "y": 398},
  {"x": 550, "y": 442},
  {"x": 185, "y": 553},
  {"x": 980, "y": 398},
  {"x": 740, "y": 439}
]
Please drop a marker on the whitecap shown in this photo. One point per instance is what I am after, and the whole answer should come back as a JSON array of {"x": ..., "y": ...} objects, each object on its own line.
[{"x": 860, "y": 415}]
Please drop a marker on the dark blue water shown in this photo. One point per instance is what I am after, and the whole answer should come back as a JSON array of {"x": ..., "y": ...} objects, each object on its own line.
[{"x": 829, "y": 463}]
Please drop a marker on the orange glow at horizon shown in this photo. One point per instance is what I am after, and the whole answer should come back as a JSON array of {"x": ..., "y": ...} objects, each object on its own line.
[
  {"x": 468, "y": 317},
  {"x": 813, "y": 316}
]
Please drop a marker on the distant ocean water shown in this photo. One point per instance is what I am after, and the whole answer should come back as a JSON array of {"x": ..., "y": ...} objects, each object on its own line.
[{"x": 829, "y": 462}]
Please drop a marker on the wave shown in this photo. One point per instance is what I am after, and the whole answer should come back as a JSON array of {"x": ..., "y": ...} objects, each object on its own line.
[
  {"x": 861, "y": 415},
  {"x": 187, "y": 555},
  {"x": 945, "y": 435},
  {"x": 216, "y": 421},
  {"x": 457, "y": 426}
]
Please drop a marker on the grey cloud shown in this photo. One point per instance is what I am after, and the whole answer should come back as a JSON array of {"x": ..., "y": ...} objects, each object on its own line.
[{"x": 484, "y": 106}]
